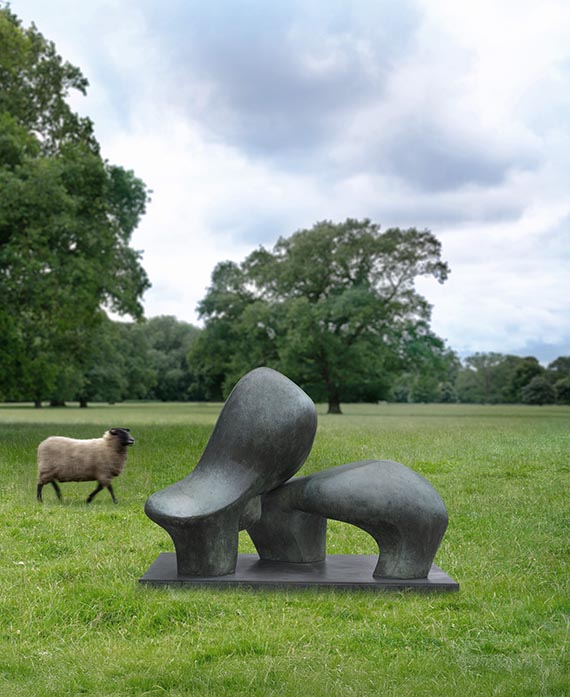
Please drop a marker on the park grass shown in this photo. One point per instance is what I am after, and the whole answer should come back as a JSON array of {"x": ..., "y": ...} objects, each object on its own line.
[{"x": 74, "y": 620}]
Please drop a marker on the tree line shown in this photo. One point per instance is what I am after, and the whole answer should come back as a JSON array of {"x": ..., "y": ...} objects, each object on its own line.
[
  {"x": 162, "y": 359},
  {"x": 123, "y": 361},
  {"x": 495, "y": 378}
]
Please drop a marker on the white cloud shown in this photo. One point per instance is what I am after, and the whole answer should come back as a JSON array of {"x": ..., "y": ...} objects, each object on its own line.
[
  {"x": 210, "y": 203},
  {"x": 249, "y": 122},
  {"x": 513, "y": 285}
]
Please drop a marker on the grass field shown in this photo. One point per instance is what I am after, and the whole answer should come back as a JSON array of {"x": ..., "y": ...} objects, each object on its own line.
[{"x": 74, "y": 620}]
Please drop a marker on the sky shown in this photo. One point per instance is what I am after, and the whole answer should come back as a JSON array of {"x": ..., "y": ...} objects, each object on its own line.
[{"x": 251, "y": 119}]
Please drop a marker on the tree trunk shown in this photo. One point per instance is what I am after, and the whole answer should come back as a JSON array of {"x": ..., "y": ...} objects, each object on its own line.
[
  {"x": 83, "y": 403},
  {"x": 38, "y": 403},
  {"x": 334, "y": 405}
]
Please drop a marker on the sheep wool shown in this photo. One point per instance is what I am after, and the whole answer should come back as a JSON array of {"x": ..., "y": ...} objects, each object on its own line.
[{"x": 63, "y": 459}]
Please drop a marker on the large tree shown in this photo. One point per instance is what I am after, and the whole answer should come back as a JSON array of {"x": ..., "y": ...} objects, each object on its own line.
[
  {"x": 66, "y": 219},
  {"x": 334, "y": 307}
]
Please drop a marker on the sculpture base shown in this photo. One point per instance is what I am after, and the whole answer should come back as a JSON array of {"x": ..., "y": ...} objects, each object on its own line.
[{"x": 339, "y": 571}]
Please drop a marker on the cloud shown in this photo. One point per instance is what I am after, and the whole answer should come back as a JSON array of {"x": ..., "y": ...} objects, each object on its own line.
[
  {"x": 250, "y": 120},
  {"x": 280, "y": 80},
  {"x": 513, "y": 287}
]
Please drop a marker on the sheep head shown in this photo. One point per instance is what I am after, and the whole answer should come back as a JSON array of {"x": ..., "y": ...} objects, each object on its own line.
[{"x": 123, "y": 435}]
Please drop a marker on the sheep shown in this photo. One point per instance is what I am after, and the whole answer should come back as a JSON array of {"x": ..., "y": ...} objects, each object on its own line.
[{"x": 70, "y": 460}]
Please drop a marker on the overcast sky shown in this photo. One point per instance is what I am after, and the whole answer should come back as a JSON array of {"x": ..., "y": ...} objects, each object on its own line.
[{"x": 250, "y": 119}]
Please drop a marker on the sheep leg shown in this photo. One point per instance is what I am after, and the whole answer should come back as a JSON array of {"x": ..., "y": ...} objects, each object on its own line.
[
  {"x": 112, "y": 493},
  {"x": 41, "y": 486},
  {"x": 99, "y": 488},
  {"x": 92, "y": 495}
]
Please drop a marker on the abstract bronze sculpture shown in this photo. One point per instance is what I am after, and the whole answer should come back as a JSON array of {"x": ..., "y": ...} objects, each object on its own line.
[
  {"x": 262, "y": 437},
  {"x": 400, "y": 509},
  {"x": 244, "y": 480}
]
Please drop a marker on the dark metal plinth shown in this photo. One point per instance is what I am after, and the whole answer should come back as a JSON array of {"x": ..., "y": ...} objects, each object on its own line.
[{"x": 342, "y": 571}]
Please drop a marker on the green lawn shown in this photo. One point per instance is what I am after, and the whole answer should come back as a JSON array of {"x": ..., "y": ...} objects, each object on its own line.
[{"x": 74, "y": 619}]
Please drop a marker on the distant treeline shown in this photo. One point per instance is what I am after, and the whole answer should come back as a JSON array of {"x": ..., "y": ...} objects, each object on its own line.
[{"x": 159, "y": 359}]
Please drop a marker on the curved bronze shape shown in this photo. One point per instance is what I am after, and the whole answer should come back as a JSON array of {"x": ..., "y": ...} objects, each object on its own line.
[
  {"x": 398, "y": 507},
  {"x": 262, "y": 437}
]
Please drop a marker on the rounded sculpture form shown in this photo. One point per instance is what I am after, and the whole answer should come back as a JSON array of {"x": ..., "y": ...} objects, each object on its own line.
[
  {"x": 262, "y": 437},
  {"x": 394, "y": 504}
]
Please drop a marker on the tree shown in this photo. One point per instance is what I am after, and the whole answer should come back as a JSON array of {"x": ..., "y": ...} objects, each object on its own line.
[
  {"x": 525, "y": 370},
  {"x": 331, "y": 306},
  {"x": 482, "y": 379},
  {"x": 427, "y": 365},
  {"x": 238, "y": 337},
  {"x": 425, "y": 389},
  {"x": 66, "y": 220},
  {"x": 448, "y": 393},
  {"x": 560, "y": 366},
  {"x": 169, "y": 341},
  {"x": 494, "y": 378},
  {"x": 538, "y": 391},
  {"x": 138, "y": 360},
  {"x": 562, "y": 390},
  {"x": 115, "y": 364},
  {"x": 36, "y": 83}
]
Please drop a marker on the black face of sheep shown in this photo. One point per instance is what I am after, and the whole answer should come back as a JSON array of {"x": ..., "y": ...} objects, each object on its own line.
[
  {"x": 123, "y": 434},
  {"x": 71, "y": 460}
]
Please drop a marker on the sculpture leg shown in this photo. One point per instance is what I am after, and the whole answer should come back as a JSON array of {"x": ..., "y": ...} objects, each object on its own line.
[
  {"x": 407, "y": 550},
  {"x": 397, "y": 507},
  {"x": 205, "y": 546},
  {"x": 289, "y": 535}
]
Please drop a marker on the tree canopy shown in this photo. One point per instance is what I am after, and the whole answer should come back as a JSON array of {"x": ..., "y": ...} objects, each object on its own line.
[
  {"x": 334, "y": 307},
  {"x": 66, "y": 218},
  {"x": 539, "y": 390},
  {"x": 169, "y": 341}
]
